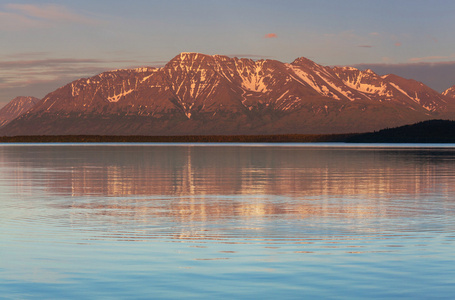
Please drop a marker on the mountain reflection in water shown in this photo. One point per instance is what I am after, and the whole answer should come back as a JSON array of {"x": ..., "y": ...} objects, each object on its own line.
[
  {"x": 193, "y": 183},
  {"x": 194, "y": 170}
]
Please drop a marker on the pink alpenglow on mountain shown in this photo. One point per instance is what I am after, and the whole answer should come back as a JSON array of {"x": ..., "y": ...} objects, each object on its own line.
[
  {"x": 197, "y": 94},
  {"x": 16, "y": 108},
  {"x": 450, "y": 92}
]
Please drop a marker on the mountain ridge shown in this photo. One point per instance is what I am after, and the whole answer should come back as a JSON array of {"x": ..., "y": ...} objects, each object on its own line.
[
  {"x": 16, "y": 108},
  {"x": 214, "y": 94}
]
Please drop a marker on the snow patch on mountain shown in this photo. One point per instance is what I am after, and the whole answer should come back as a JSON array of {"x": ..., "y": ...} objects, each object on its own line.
[
  {"x": 357, "y": 84},
  {"x": 322, "y": 89},
  {"x": 450, "y": 92},
  {"x": 253, "y": 77},
  {"x": 402, "y": 91},
  {"x": 117, "y": 97}
]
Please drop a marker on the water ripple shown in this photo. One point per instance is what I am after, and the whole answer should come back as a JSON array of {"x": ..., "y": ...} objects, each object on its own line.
[{"x": 226, "y": 222}]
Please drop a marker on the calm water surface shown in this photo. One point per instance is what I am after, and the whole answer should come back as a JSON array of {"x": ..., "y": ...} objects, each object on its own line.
[{"x": 226, "y": 221}]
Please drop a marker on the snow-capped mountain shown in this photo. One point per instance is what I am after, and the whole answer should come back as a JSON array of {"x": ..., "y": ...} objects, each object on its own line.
[
  {"x": 450, "y": 92},
  {"x": 16, "y": 108},
  {"x": 203, "y": 94}
]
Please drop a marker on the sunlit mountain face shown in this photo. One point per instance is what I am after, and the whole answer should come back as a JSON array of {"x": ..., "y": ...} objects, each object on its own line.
[
  {"x": 450, "y": 92},
  {"x": 202, "y": 94},
  {"x": 15, "y": 108}
]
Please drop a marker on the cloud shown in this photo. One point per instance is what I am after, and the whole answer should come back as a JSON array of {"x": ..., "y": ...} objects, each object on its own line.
[
  {"x": 37, "y": 77},
  {"x": 22, "y": 73},
  {"x": 50, "y": 12},
  {"x": 365, "y": 46},
  {"x": 71, "y": 62},
  {"x": 26, "y": 54},
  {"x": 13, "y": 22},
  {"x": 28, "y": 16},
  {"x": 271, "y": 36},
  {"x": 398, "y": 44},
  {"x": 426, "y": 58},
  {"x": 15, "y": 64}
]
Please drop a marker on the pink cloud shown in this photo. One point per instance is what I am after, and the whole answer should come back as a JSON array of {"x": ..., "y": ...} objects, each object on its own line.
[
  {"x": 49, "y": 12},
  {"x": 422, "y": 59},
  {"x": 398, "y": 44},
  {"x": 27, "y": 16},
  {"x": 10, "y": 21},
  {"x": 271, "y": 35}
]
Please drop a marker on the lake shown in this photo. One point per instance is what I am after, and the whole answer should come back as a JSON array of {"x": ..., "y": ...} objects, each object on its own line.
[{"x": 227, "y": 221}]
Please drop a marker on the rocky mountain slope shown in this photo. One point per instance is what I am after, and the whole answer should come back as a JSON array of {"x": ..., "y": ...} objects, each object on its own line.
[
  {"x": 450, "y": 92},
  {"x": 16, "y": 108},
  {"x": 198, "y": 94}
]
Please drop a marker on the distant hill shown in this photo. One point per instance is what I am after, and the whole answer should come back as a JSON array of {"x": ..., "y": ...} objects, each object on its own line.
[{"x": 433, "y": 131}]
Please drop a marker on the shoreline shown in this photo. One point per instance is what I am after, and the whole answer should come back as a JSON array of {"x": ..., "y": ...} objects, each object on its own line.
[
  {"x": 433, "y": 131},
  {"x": 285, "y": 138},
  {"x": 228, "y": 139}
]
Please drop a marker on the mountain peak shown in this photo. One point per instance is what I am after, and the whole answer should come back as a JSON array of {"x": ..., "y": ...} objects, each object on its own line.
[
  {"x": 450, "y": 92},
  {"x": 183, "y": 56},
  {"x": 25, "y": 99},
  {"x": 15, "y": 108},
  {"x": 303, "y": 61},
  {"x": 349, "y": 68},
  {"x": 188, "y": 59}
]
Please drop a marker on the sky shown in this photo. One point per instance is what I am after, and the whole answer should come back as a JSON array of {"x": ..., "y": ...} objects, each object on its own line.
[{"x": 46, "y": 44}]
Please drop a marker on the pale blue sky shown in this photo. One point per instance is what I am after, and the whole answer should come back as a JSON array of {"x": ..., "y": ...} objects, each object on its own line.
[{"x": 45, "y": 44}]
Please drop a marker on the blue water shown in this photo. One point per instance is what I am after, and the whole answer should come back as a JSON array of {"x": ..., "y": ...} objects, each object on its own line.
[{"x": 227, "y": 221}]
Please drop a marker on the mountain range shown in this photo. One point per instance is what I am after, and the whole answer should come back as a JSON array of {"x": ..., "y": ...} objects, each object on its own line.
[{"x": 198, "y": 94}]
